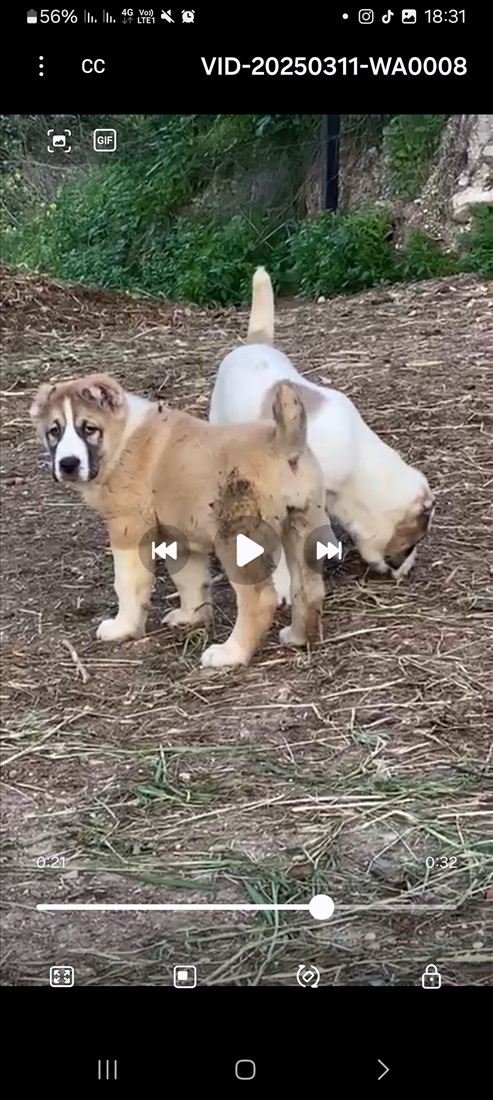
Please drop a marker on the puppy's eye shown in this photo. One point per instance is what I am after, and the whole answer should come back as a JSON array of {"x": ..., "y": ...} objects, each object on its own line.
[
  {"x": 54, "y": 432},
  {"x": 90, "y": 430}
]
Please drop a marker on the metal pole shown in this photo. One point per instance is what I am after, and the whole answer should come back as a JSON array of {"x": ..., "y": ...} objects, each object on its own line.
[{"x": 332, "y": 128}]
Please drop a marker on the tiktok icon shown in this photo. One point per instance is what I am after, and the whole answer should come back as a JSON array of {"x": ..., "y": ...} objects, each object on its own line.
[{"x": 388, "y": 17}]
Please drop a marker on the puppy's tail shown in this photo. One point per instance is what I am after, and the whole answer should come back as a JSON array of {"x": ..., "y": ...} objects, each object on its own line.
[
  {"x": 289, "y": 415},
  {"x": 261, "y": 324}
]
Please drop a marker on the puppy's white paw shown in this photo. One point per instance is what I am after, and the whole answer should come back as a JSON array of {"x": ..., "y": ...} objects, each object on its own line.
[
  {"x": 220, "y": 656},
  {"x": 405, "y": 568},
  {"x": 117, "y": 630},
  {"x": 178, "y": 617},
  {"x": 289, "y": 636}
]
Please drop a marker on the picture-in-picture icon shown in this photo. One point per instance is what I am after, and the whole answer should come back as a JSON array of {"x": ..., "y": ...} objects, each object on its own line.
[{"x": 184, "y": 977}]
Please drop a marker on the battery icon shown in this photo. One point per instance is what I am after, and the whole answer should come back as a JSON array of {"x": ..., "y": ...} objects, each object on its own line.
[{"x": 32, "y": 16}]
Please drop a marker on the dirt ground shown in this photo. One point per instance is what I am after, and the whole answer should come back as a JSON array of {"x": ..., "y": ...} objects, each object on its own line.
[{"x": 339, "y": 770}]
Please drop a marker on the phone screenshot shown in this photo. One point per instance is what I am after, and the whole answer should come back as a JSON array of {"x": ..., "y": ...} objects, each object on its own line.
[{"x": 246, "y": 546}]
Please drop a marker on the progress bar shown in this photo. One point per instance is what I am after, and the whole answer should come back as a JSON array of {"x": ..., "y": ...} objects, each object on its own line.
[{"x": 321, "y": 907}]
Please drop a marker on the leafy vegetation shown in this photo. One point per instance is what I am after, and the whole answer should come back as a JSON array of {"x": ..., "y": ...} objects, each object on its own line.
[
  {"x": 193, "y": 203},
  {"x": 341, "y": 252},
  {"x": 410, "y": 143},
  {"x": 478, "y": 244}
]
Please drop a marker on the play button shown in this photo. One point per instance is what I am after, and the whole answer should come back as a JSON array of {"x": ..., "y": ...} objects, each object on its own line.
[{"x": 246, "y": 550}]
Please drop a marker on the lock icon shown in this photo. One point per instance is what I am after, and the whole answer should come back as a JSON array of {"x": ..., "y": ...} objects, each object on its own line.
[{"x": 431, "y": 979}]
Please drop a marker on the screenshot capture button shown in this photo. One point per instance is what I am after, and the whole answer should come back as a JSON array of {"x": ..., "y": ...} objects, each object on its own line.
[
  {"x": 245, "y": 1069},
  {"x": 60, "y": 141}
]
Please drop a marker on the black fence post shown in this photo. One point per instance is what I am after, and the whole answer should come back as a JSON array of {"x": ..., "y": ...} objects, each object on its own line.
[{"x": 332, "y": 129}]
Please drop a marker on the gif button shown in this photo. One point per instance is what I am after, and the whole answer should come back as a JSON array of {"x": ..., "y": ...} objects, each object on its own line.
[
  {"x": 245, "y": 1070},
  {"x": 104, "y": 141}
]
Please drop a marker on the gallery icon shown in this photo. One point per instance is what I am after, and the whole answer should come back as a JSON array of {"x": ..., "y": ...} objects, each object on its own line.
[
  {"x": 365, "y": 15},
  {"x": 184, "y": 977},
  {"x": 62, "y": 976},
  {"x": 308, "y": 976},
  {"x": 409, "y": 15}
]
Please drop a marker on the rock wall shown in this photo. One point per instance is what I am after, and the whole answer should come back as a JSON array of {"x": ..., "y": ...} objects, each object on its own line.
[{"x": 475, "y": 184}]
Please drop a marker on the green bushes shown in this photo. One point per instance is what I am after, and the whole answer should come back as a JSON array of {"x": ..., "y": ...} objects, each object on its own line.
[
  {"x": 341, "y": 252},
  {"x": 478, "y": 244},
  {"x": 101, "y": 236},
  {"x": 207, "y": 261},
  {"x": 410, "y": 143},
  {"x": 422, "y": 258}
]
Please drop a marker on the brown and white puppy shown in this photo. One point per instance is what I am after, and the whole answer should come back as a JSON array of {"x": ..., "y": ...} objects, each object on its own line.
[{"x": 145, "y": 467}]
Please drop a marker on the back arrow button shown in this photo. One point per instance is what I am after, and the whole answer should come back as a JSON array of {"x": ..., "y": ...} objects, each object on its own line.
[{"x": 385, "y": 1069}]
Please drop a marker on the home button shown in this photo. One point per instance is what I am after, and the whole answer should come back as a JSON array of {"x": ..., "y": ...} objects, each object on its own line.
[{"x": 245, "y": 1070}]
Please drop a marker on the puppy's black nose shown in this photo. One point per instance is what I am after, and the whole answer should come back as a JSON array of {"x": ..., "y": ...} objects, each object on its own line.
[{"x": 70, "y": 464}]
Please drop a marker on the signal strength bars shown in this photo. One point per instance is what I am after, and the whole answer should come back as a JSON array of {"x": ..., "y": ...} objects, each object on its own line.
[
  {"x": 88, "y": 18},
  {"x": 107, "y": 18}
]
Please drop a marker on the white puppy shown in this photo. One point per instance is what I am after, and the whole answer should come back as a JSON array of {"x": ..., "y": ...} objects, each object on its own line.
[{"x": 385, "y": 504}]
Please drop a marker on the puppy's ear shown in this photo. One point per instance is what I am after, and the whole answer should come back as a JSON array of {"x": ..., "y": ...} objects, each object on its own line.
[
  {"x": 40, "y": 402},
  {"x": 105, "y": 392}
]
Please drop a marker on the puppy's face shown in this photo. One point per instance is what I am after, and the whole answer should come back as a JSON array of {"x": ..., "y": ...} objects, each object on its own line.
[
  {"x": 400, "y": 551},
  {"x": 79, "y": 422}
]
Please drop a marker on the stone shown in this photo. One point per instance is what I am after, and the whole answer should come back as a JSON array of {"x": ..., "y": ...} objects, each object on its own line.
[{"x": 464, "y": 201}]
